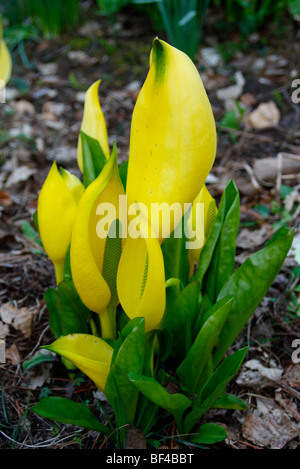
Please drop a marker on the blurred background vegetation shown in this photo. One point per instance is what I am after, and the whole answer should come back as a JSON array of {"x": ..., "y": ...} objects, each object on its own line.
[{"x": 182, "y": 21}]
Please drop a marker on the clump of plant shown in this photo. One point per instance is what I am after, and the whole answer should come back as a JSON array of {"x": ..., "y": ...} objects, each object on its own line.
[
  {"x": 51, "y": 16},
  {"x": 147, "y": 291}
]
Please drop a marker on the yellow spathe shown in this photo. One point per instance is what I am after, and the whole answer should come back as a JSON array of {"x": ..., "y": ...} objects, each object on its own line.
[
  {"x": 89, "y": 353},
  {"x": 210, "y": 212},
  {"x": 5, "y": 64},
  {"x": 87, "y": 247},
  {"x": 173, "y": 133},
  {"x": 56, "y": 213},
  {"x": 93, "y": 122},
  {"x": 141, "y": 277}
]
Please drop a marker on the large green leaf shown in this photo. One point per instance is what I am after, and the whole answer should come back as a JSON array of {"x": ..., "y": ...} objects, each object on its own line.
[
  {"x": 209, "y": 433},
  {"x": 67, "y": 313},
  {"x": 223, "y": 259},
  {"x": 93, "y": 156},
  {"x": 190, "y": 369},
  {"x": 175, "y": 404},
  {"x": 249, "y": 284},
  {"x": 146, "y": 410},
  {"x": 66, "y": 411},
  {"x": 176, "y": 255},
  {"x": 203, "y": 312},
  {"x": 214, "y": 387},
  {"x": 128, "y": 356},
  {"x": 215, "y": 251},
  {"x": 230, "y": 401},
  {"x": 180, "y": 316}
]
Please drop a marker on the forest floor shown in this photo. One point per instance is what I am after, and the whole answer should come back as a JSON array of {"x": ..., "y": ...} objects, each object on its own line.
[{"x": 259, "y": 149}]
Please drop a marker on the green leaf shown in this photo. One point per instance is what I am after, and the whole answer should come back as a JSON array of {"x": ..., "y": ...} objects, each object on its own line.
[
  {"x": 230, "y": 120},
  {"x": 190, "y": 369},
  {"x": 31, "y": 234},
  {"x": 214, "y": 387},
  {"x": 111, "y": 258},
  {"x": 294, "y": 7},
  {"x": 179, "y": 318},
  {"x": 209, "y": 433},
  {"x": 146, "y": 410},
  {"x": 35, "y": 221},
  {"x": 203, "y": 313},
  {"x": 94, "y": 158},
  {"x": 175, "y": 404},
  {"x": 128, "y": 356},
  {"x": 223, "y": 259},
  {"x": 123, "y": 173},
  {"x": 176, "y": 256},
  {"x": 37, "y": 360},
  {"x": 230, "y": 401},
  {"x": 173, "y": 289},
  {"x": 165, "y": 344},
  {"x": 67, "y": 313},
  {"x": 67, "y": 267},
  {"x": 219, "y": 233},
  {"x": 66, "y": 411},
  {"x": 249, "y": 284}
]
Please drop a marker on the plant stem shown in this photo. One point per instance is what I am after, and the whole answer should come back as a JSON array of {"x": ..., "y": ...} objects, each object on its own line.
[
  {"x": 108, "y": 322},
  {"x": 59, "y": 271}
]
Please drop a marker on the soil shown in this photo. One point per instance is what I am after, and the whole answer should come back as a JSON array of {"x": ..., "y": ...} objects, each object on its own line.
[{"x": 40, "y": 122}]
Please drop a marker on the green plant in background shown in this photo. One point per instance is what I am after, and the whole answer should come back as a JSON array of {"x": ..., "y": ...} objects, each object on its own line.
[
  {"x": 16, "y": 37},
  {"x": 110, "y": 7},
  {"x": 183, "y": 22},
  {"x": 51, "y": 16},
  {"x": 250, "y": 15},
  {"x": 138, "y": 313},
  {"x": 14, "y": 11}
]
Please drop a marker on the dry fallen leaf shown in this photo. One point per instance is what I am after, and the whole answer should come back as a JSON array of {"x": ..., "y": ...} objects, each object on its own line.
[
  {"x": 250, "y": 239},
  {"x": 19, "y": 318},
  {"x": 292, "y": 375},
  {"x": 234, "y": 91},
  {"x": 5, "y": 199},
  {"x": 39, "y": 379},
  {"x": 288, "y": 405},
  {"x": 292, "y": 199},
  {"x": 135, "y": 438},
  {"x": 23, "y": 107},
  {"x": 248, "y": 99},
  {"x": 264, "y": 116},
  {"x": 254, "y": 374},
  {"x": 210, "y": 57},
  {"x": 81, "y": 57},
  {"x": 266, "y": 169},
  {"x": 63, "y": 155},
  {"x": 268, "y": 425},
  {"x": 47, "y": 69},
  {"x": 13, "y": 355},
  {"x": 4, "y": 330},
  {"x": 22, "y": 173}
]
